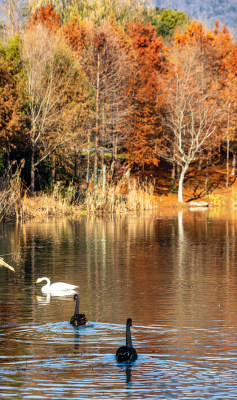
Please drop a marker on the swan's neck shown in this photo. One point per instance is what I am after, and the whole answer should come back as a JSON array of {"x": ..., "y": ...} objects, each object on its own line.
[
  {"x": 77, "y": 306},
  {"x": 48, "y": 282},
  {"x": 128, "y": 336}
]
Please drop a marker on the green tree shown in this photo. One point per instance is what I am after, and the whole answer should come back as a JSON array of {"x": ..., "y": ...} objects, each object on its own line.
[{"x": 166, "y": 20}]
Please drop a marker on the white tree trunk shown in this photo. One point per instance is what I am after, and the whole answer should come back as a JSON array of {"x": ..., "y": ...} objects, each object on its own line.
[
  {"x": 233, "y": 164},
  {"x": 181, "y": 181}
]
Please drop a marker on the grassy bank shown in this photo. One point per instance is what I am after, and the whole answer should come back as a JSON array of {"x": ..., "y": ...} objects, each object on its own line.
[
  {"x": 129, "y": 193},
  {"x": 126, "y": 195}
]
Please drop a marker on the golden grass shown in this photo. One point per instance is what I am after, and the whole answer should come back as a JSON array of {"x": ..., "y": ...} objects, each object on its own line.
[
  {"x": 10, "y": 197},
  {"x": 125, "y": 195},
  {"x": 57, "y": 203}
]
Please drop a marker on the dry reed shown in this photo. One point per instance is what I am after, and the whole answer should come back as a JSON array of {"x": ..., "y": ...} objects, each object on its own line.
[
  {"x": 126, "y": 195},
  {"x": 11, "y": 196}
]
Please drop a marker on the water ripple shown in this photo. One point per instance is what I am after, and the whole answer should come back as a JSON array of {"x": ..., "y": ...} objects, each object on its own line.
[{"x": 80, "y": 363}]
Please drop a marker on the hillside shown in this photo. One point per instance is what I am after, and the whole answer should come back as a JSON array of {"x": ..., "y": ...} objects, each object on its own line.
[{"x": 207, "y": 11}]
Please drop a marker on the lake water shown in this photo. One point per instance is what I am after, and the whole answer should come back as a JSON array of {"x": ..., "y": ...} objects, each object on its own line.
[{"x": 174, "y": 275}]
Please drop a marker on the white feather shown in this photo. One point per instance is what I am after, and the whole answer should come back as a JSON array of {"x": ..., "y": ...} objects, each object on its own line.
[{"x": 55, "y": 287}]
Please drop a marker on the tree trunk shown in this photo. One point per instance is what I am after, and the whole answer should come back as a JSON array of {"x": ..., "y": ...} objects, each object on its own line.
[
  {"x": 228, "y": 149},
  {"x": 76, "y": 165},
  {"x": 173, "y": 177},
  {"x": 219, "y": 153},
  {"x": 8, "y": 166},
  {"x": 88, "y": 161},
  {"x": 54, "y": 169},
  {"x": 116, "y": 146},
  {"x": 113, "y": 144},
  {"x": 129, "y": 180},
  {"x": 233, "y": 164},
  {"x": 103, "y": 137},
  {"x": 143, "y": 173},
  {"x": 181, "y": 181},
  {"x": 200, "y": 164},
  {"x": 12, "y": 14},
  {"x": 32, "y": 169},
  {"x": 207, "y": 174},
  {"x": 97, "y": 118}
]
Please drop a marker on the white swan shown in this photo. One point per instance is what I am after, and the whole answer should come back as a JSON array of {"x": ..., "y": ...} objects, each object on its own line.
[{"x": 55, "y": 287}]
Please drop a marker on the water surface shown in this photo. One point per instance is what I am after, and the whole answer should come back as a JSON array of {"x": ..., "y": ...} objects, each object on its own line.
[{"x": 174, "y": 275}]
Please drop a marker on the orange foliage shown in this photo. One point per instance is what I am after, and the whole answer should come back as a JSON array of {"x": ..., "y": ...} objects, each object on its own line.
[
  {"x": 214, "y": 46},
  {"x": 46, "y": 16},
  {"x": 195, "y": 33},
  {"x": 145, "y": 53},
  {"x": 219, "y": 55},
  {"x": 76, "y": 34},
  {"x": 11, "y": 119}
]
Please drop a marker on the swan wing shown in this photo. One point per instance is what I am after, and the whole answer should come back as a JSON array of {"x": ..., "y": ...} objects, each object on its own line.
[
  {"x": 61, "y": 286},
  {"x": 126, "y": 353}
]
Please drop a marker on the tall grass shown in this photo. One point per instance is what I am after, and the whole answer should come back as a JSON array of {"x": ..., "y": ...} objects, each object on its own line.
[
  {"x": 104, "y": 197},
  {"x": 127, "y": 194},
  {"x": 58, "y": 202},
  {"x": 11, "y": 196}
]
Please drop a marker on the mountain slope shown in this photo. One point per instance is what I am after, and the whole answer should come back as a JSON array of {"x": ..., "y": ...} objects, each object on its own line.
[{"x": 207, "y": 11}]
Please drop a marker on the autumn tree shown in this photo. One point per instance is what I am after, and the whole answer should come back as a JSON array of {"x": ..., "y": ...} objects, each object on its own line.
[
  {"x": 75, "y": 33},
  {"x": 226, "y": 55},
  {"x": 106, "y": 65},
  {"x": 191, "y": 111},
  {"x": 47, "y": 17},
  {"x": 216, "y": 50},
  {"x": 50, "y": 71},
  {"x": 231, "y": 101},
  {"x": 9, "y": 104},
  {"x": 11, "y": 97},
  {"x": 145, "y": 54}
]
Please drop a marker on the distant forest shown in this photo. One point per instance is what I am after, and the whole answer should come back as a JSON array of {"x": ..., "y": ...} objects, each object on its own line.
[
  {"x": 102, "y": 83},
  {"x": 207, "y": 11}
]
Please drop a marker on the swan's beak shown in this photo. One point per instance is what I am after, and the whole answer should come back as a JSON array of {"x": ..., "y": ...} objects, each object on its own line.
[{"x": 36, "y": 282}]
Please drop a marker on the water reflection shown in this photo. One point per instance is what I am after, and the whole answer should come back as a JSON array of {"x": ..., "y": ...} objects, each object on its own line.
[
  {"x": 45, "y": 299},
  {"x": 127, "y": 368},
  {"x": 175, "y": 275},
  {"x": 76, "y": 340}
]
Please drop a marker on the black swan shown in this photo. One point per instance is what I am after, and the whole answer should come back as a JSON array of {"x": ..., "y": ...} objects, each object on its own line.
[
  {"x": 127, "y": 353},
  {"x": 78, "y": 319}
]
